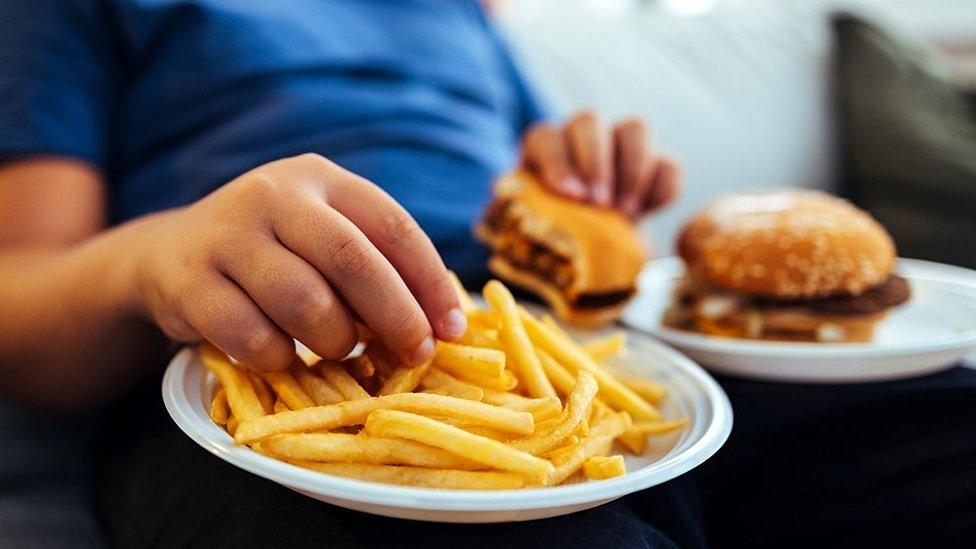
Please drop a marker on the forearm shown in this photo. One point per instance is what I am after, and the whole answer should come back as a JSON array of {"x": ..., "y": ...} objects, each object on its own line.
[{"x": 72, "y": 334}]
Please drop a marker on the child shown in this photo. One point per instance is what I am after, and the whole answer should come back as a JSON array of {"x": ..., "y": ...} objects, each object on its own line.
[{"x": 154, "y": 190}]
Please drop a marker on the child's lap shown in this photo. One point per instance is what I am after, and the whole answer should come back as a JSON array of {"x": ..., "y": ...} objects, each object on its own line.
[
  {"x": 159, "y": 488},
  {"x": 806, "y": 465},
  {"x": 44, "y": 480},
  {"x": 169, "y": 493}
]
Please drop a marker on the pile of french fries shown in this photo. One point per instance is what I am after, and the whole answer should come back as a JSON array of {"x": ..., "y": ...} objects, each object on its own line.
[{"x": 515, "y": 403}]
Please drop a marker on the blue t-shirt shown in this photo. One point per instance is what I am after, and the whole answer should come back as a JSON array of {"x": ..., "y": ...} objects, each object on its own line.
[{"x": 172, "y": 98}]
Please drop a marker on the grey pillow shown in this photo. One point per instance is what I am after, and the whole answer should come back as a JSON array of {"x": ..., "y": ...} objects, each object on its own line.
[{"x": 908, "y": 141}]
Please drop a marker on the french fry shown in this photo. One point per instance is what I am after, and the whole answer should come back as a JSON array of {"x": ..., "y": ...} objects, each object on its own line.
[
  {"x": 540, "y": 408},
  {"x": 558, "y": 330},
  {"x": 454, "y": 358},
  {"x": 363, "y": 449},
  {"x": 318, "y": 389},
  {"x": 259, "y": 448},
  {"x": 546, "y": 426},
  {"x": 600, "y": 411},
  {"x": 606, "y": 347},
  {"x": 397, "y": 424},
  {"x": 337, "y": 376},
  {"x": 354, "y": 412},
  {"x": 516, "y": 341},
  {"x": 474, "y": 428},
  {"x": 634, "y": 439},
  {"x": 477, "y": 337},
  {"x": 232, "y": 425},
  {"x": 604, "y": 467},
  {"x": 437, "y": 379},
  {"x": 419, "y": 476},
  {"x": 440, "y": 391},
  {"x": 648, "y": 389},
  {"x": 598, "y": 442},
  {"x": 280, "y": 406},
  {"x": 485, "y": 319},
  {"x": 382, "y": 359},
  {"x": 362, "y": 370},
  {"x": 241, "y": 399},
  {"x": 570, "y": 355},
  {"x": 551, "y": 322},
  {"x": 219, "y": 412},
  {"x": 467, "y": 304},
  {"x": 506, "y": 382},
  {"x": 654, "y": 428},
  {"x": 263, "y": 391},
  {"x": 577, "y": 409},
  {"x": 559, "y": 452},
  {"x": 288, "y": 390},
  {"x": 560, "y": 377},
  {"x": 600, "y": 349},
  {"x": 404, "y": 379}
]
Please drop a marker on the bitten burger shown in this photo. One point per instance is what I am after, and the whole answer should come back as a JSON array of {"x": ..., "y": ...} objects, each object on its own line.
[{"x": 581, "y": 259}]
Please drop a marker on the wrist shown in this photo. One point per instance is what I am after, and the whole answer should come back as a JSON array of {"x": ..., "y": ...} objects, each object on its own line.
[{"x": 119, "y": 255}]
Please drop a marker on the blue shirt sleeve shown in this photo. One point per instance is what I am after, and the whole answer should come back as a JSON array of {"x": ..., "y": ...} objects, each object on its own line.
[{"x": 58, "y": 74}]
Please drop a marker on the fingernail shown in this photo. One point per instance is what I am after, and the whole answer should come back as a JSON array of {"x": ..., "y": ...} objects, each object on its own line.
[
  {"x": 455, "y": 324},
  {"x": 574, "y": 187},
  {"x": 423, "y": 352},
  {"x": 601, "y": 195}
]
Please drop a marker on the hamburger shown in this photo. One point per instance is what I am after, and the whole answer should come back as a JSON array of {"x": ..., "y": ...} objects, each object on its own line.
[
  {"x": 788, "y": 265},
  {"x": 580, "y": 259}
]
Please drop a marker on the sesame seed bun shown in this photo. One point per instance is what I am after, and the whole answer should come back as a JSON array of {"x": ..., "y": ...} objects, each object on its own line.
[{"x": 787, "y": 244}]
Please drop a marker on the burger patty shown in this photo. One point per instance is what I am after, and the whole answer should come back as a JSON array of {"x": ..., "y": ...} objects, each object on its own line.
[
  {"x": 496, "y": 216},
  {"x": 538, "y": 259},
  {"x": 893, "y": 291},
  {"x": 603, "y": 299}
]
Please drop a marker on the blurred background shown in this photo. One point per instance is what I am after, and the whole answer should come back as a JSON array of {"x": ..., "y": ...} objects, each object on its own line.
[{"x": 876, "y": 105}]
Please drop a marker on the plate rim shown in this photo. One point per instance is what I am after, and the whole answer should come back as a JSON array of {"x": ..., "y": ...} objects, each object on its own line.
[
  {"x": 786, "y": 349},
  {"x": 669, "y": 467}
]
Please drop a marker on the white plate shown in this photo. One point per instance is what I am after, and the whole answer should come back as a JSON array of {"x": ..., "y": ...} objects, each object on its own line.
[
  {"x": 934, "y": 330},
  {"x": 188, "y": 387}
]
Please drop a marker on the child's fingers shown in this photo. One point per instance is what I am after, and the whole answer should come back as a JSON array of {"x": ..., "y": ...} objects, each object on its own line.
[
  {"x": 592, "y": 154},
  {"x": 364, "y": 278},
  {"x": 294, "y": 295},
  {"x": 634, "y": 165},
  {"x": 405, "y": 245},
  {"x": 224, "y": 315},
  {"x": 666, "y": 185},
  {"x": 544, "y": 151}
]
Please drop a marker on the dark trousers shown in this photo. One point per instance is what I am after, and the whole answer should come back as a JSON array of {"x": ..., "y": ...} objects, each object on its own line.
[{"x": 887, "y": 464}]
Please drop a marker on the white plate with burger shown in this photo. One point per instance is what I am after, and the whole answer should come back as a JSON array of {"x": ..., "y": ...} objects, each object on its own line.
[{"x": 804, "y": 287}]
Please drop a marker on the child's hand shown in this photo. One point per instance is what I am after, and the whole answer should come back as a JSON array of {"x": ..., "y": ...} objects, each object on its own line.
[
  {"x": 615, "y": 167},
  {"x": 297, "y": 248}
]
